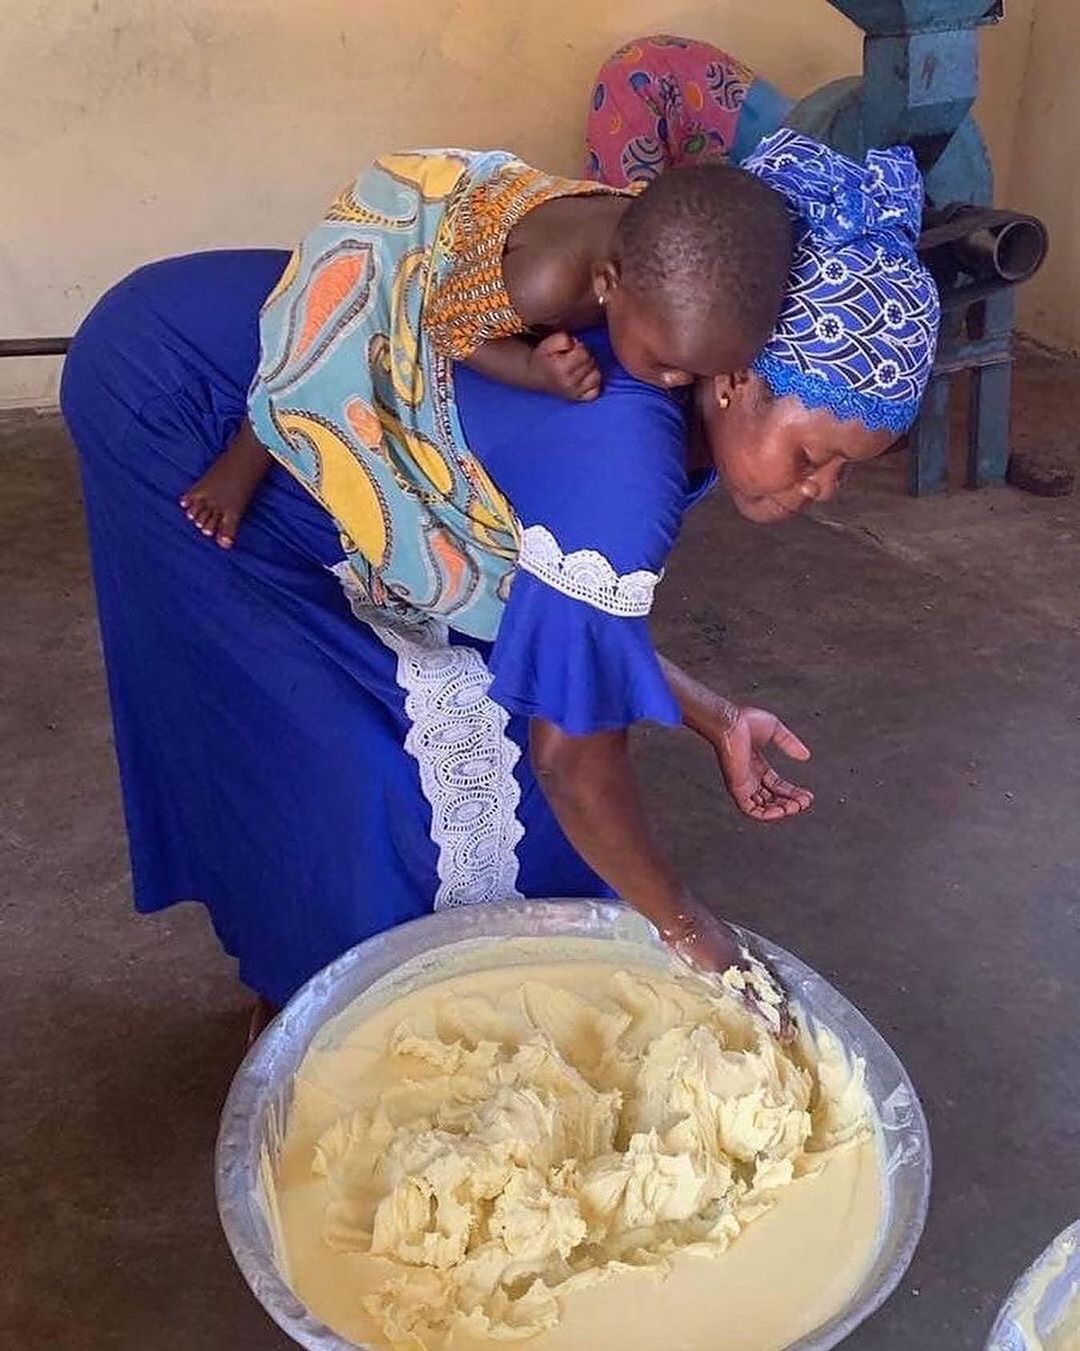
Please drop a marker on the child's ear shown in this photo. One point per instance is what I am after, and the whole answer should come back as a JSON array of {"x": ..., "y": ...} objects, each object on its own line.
[{"x": 605, "y": 278}]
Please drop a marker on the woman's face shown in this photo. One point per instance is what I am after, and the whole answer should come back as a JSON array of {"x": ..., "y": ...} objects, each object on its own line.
[{"x": 775, "y": 456}]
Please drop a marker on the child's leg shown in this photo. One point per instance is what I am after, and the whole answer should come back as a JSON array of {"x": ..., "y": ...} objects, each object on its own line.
[
  {"x": 217, "y": 502},
  {"x": 660, "y": 102}
]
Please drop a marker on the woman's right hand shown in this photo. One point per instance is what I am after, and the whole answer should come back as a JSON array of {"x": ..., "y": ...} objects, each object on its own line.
[
  {"x": 703, "y": 940},
  {"x": 710, "y": 945}
]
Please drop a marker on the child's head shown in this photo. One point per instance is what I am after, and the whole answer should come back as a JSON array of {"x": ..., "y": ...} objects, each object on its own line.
[{"x": 698, "y": 274}]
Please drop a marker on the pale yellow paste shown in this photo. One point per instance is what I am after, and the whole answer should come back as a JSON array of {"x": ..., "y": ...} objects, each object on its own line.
[
  {"x": 568, "y": 1152},
  {"x": 1066, "y": 1335}
]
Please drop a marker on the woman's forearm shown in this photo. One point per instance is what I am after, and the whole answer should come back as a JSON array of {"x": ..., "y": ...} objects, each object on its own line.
[
  {"x": 702, "y": 710},
  {"x": 590, "y": 784}
]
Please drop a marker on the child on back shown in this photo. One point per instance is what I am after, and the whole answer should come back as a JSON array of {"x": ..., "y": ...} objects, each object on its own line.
[{"x": 689, "y": 275}]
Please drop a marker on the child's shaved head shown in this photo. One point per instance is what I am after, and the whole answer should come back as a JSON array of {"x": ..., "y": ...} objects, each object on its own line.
[{"x": 708, "y": 249}]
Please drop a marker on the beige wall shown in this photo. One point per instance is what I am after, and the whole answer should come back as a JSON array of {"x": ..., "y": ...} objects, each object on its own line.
[
  {"x": 137, "y": 128},
  {"x": 1004, "y": 60},
  {"x": 1045, "y": 175}
]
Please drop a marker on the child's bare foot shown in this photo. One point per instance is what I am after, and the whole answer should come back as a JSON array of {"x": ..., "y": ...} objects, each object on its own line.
[{"x": 216, "y": 504}]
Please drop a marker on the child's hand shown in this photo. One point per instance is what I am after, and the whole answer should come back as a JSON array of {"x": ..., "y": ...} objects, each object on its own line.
[{"x": 564, "y": 366}]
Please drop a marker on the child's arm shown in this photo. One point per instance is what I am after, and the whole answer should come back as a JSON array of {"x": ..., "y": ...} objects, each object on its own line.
[{"x": 560, "y": 365}]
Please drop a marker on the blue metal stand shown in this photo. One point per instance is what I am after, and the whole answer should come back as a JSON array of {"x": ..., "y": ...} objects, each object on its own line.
[
  {"x": 919, "y": 83},
  {"x": 928, "y": 447},
  {"x": 991, "y": 385},
  {"x": 975, "y": 338}
]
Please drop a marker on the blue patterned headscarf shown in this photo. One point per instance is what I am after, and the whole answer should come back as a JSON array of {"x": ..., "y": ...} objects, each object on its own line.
[{"x": 858, "y": 328}]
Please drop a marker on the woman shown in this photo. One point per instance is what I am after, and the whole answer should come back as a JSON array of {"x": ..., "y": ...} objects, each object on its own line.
[
  {"x": 317, "y": 762},
  {"x": 661, "y": 101}
]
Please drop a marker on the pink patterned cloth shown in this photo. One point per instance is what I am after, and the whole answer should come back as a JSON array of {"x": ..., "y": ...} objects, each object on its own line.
[{"x": 662, "y": 101}]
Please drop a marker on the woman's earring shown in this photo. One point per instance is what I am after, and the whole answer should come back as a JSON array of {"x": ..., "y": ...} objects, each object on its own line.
[
  {"x": 601, "y": 299},
  {"x": 724, "y": 401}
]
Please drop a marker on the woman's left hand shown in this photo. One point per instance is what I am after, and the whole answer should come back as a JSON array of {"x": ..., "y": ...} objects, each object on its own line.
[{"x": 755, "y": 787}]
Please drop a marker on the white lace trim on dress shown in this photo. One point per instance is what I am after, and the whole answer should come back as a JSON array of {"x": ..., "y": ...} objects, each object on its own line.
[
  {"x": 586, "y": 575},
  {"x": 466, "y": 761}
]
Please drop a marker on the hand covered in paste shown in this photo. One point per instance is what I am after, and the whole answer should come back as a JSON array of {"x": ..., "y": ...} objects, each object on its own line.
[{"x": 714, "y": 948}]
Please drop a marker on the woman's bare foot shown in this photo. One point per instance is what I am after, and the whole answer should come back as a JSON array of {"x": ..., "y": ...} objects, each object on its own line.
[{"x": 216, "y": 504}]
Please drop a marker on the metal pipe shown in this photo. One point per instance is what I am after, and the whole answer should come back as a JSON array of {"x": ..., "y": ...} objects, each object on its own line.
[
  {"x": 1014, "y": 251},
  {"x": 990, "y": 247}
]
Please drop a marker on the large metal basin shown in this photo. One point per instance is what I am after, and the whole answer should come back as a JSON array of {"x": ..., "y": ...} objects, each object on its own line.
[{"x": 257, "y": 1107}]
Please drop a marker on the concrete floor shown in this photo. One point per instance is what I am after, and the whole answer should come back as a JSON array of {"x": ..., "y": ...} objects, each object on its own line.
[{"x": 929, "y": 652}]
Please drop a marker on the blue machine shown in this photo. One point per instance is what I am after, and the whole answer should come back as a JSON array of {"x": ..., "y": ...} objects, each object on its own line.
[{"x": 919, "y": 83}]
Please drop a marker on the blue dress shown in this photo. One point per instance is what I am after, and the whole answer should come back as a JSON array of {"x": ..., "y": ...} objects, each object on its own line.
[{"x": 307, "y": 769}]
